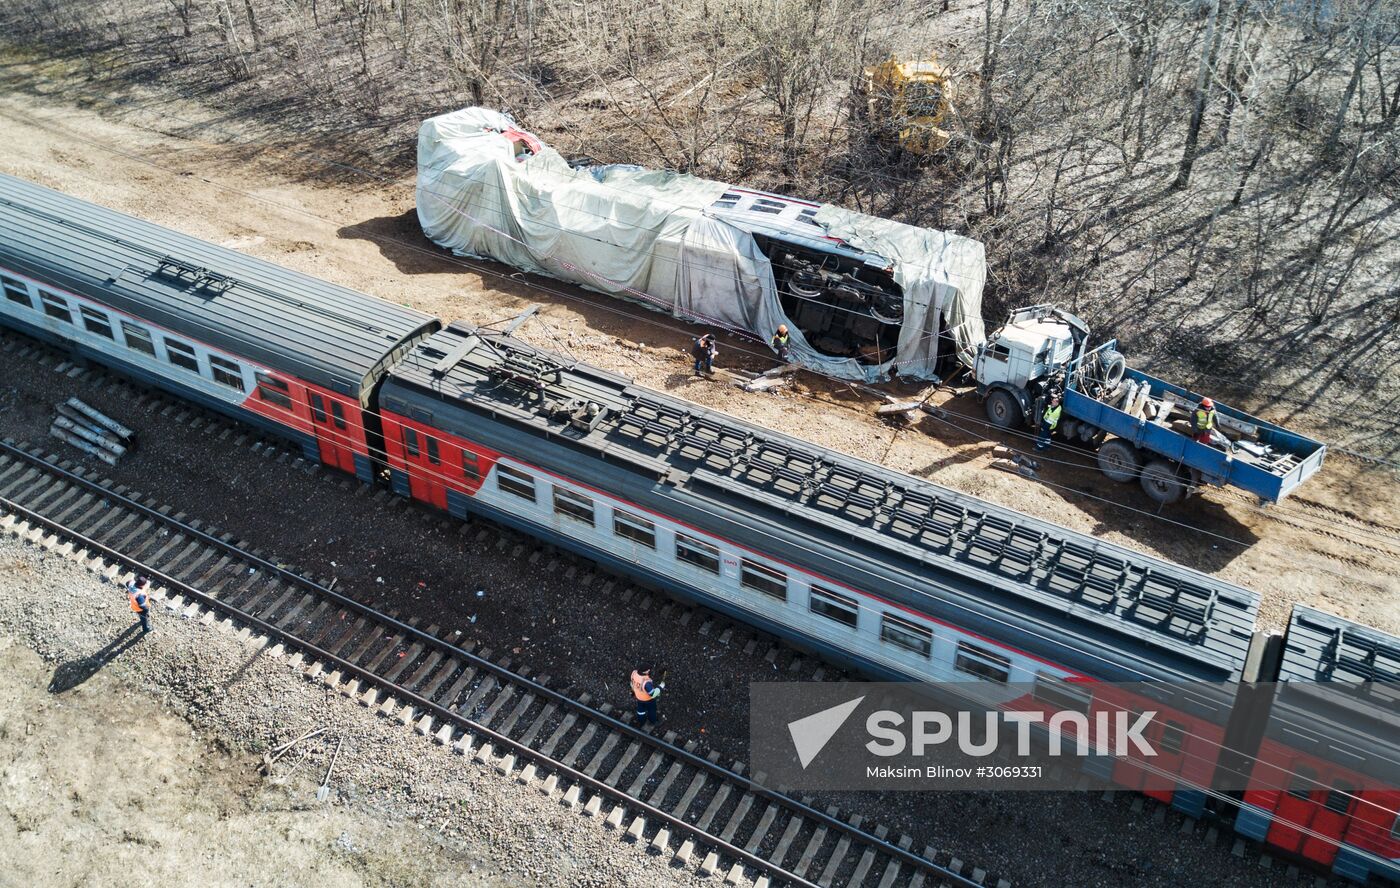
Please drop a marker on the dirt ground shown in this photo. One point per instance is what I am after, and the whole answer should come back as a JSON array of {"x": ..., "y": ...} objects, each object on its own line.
[
  {"x": 1334, "y": 545},
  {"x": 102, "y": 786}
]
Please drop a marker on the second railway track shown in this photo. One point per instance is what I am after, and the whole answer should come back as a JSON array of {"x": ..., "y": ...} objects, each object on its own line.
[{"x": 662, "y": 794}]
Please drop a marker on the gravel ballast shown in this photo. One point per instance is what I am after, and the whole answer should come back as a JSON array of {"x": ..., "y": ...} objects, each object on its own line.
[{"x": 145, "y": 770}]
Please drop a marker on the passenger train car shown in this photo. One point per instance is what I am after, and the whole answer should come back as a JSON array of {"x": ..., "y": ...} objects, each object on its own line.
[
  {"x": 890, "y": 574},
  {"x": 290, "y": 354},
  {"x": 1325, "y": 783}
]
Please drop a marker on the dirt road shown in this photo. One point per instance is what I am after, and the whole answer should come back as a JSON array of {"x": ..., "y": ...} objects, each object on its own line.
[{"x": 1336, "y": 545}]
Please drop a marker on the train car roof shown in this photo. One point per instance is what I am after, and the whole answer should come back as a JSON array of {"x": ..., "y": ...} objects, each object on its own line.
[
  {"x": 1201, "y": 624},
  {"x": 1339, "y": 693},
  {"x": 323, "y": 333}
]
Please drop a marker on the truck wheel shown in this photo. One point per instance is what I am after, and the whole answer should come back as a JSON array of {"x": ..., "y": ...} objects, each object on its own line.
[
  {"x": 1119, "y": 460},
  {"x": 1159, "y": 482},
  {"x": 1004, "y": 411}
]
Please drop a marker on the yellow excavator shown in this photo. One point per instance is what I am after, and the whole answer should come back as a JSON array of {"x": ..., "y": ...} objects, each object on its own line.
[{"x": 904, "y": 103}]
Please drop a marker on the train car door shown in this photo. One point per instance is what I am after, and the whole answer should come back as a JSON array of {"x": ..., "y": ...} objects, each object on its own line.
[
  {"x": 422, "y": 456},
  {"x": 1295, "y": 810},
  {"x": 332, "y": 433},
  {"x": 1329, "y": 823}
]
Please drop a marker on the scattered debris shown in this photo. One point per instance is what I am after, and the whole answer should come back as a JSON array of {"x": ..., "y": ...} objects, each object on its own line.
[
  {"x": 91, "y": 431},
  {"x": 902, "y": 412},
  {"x": 769, "y": 379},
  {"x": 1015, "y": 462},
  {"x": 282, "y": 750}
]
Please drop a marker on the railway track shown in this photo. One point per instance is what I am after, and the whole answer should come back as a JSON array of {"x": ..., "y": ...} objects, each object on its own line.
[{"x": 661, "y": 794}]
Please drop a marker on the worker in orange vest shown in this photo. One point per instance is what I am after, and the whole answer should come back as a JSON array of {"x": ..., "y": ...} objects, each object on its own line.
[
  {"x": 140, "y": 602},
  {"x": 646, "y": 691}
]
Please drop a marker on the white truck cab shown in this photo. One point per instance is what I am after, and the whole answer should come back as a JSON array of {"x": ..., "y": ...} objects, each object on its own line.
[
  {"x": 1016, "y": 365},
  {"x": 1023, "y": 352}
]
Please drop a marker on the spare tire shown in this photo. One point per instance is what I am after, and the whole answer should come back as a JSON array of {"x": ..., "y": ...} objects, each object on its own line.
[{"x": 1112, "y": 366}]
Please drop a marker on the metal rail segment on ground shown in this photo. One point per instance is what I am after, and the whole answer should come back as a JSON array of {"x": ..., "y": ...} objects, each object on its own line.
[{"x": 666, "y": 787}]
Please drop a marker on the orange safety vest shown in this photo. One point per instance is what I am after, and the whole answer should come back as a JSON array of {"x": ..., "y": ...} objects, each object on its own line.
[
  {"x": 136, "y": 608},
  {"x": 639, "y": 687}
]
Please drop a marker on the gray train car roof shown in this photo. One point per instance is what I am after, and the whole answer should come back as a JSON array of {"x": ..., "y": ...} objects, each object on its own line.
[
  {"x": 1122, "y": 598},
  {"x": 323, "y": 333},
  {"x": 1339, "y": 693}
]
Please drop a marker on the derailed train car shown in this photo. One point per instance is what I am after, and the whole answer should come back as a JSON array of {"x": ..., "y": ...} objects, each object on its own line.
[{"x": 864, "y": 297}]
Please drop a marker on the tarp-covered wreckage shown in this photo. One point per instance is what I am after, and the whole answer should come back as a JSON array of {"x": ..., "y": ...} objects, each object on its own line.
[{"x": 863, "y": 297}]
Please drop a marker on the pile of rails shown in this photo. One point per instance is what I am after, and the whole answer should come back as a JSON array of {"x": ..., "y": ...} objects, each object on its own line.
[{"x": 91, "y": 431}]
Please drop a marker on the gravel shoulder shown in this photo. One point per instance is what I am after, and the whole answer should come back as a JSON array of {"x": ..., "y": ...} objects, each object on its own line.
[{"x": 143, "y": 769}]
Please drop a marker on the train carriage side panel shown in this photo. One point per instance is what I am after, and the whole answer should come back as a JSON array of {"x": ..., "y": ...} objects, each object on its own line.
[
  {"x": 874, "y": 598},
  {"x": 1326, "y": 783},
  {"x": 291, "y": 354}
]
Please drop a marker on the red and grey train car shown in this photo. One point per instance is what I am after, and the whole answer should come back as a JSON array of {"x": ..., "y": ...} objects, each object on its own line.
[
  {"x": 1325, "y": 781},
  {"x": 893, "y": 575},
  {"x": 291, "y": 354}
]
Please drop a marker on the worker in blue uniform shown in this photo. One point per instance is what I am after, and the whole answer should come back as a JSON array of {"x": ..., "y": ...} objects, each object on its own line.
[
  {"x": 1049, "y": 421},
  {"x": 703, "y": 349},
  {"x": 646, "y": 692}
]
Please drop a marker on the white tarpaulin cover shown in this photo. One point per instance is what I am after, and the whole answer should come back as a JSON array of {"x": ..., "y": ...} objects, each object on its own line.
[{"x": 646, "y": 235}]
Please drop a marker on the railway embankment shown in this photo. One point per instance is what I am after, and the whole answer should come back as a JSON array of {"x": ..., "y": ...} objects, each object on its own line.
[{"x": 135, "y": 761}]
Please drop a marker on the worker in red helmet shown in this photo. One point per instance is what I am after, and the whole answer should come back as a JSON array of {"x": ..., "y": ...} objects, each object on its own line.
[{"x": 1203, "y": 422}]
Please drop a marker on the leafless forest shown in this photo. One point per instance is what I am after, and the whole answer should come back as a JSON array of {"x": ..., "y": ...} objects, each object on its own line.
[{"x": 1214, "y": 181}]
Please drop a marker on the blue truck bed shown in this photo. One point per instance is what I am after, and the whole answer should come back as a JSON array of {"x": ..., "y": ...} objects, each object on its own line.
[{"x": 1293, "y": 460}]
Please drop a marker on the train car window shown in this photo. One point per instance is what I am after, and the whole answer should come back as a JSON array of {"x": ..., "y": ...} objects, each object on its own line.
[
  {"x": 1304, "y": 781},
  {"x": 1395, "y": 828},
  {"x": 515, "y": 483},
  {"x": 1340, "y": 796},
  {"x": 1060, "y": 694},
  {"x": 634, "y": 528},
  {"x": 55, "y": 306},
  {"x": 274, "y": 391},
  {"x": 692, "y": 551},
  {"x": 338, "y": 416},
  {"x": 138, "y": 339},
  {"x": 764, "y": 205},
  {"x": 181, "y": 354},
  {"x": 762, "y": 578},
  {"x": 318, "y": 411},
  {"x": 982, "y": 663},
  {"x": 226, "y": 372},
  {"x": 433, "y": 456},
  {"x": 96, "y": 322},
  {"x": 809, "y": 216},
  {"x": 1173, "y": 733},
  {"x": 410, "y": 441},
  {"x": 726, "y": 201},
  {"x": 834, "y": 606},
  {"x": 907, "y": 635},
  {"x": 15, "y": 291},
  {"x": 471, "y": 466},
  {"x": 573, "y": 505}
]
